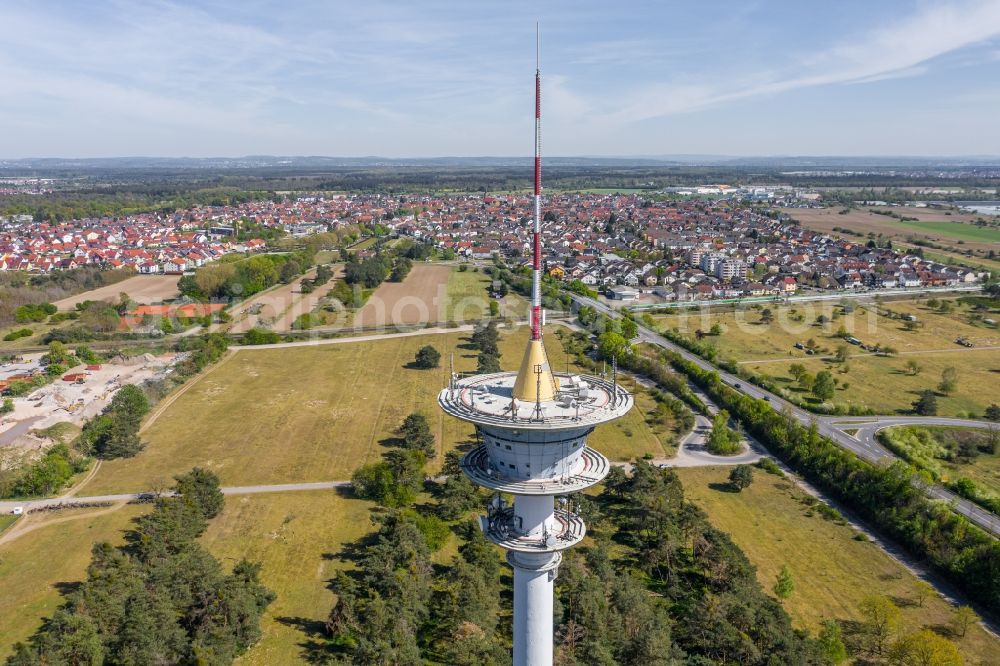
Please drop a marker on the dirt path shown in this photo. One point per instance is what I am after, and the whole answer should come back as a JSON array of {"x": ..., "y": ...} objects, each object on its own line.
[
  {"x": 169, "y": 400},
  {"x": 91, "y": 473},
  {"x": 26, "y": 525}
]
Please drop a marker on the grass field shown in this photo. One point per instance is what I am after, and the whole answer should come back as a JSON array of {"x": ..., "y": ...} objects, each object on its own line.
[
  {"x": 34, "y": 567},
  {"x": 984, "y": 469},
  {"x": 27, "y": 341},
  {"x": 883, "y": 384},
  {"x": 467, "y": 297},
  {"x": 874, "y": 381},
  {"x": 6, "y": 521},
  {"x": 317, "y": 413},
  {"x": 955, "y": 230},
  {"x": 832, "y": 571},
  {"x": 296, "y": 536},
  {"x": 295, "y": 417}
]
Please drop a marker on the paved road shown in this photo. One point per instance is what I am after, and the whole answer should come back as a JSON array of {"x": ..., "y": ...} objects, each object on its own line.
[
  {"x": 7, "y": 506},
  {"x": 866, "y": 450}
]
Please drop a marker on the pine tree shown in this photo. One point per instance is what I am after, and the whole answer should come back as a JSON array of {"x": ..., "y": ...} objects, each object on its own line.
[{"x": 784, "y": 585}]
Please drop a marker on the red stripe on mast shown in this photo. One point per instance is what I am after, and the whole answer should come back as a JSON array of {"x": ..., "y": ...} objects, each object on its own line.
[{"x": 536, "y": 301}]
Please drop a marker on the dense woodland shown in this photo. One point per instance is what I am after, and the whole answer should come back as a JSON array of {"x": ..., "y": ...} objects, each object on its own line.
[
  {"x": 159, "y": 599},
  {"x": 108, "y": 192},
  {"x": 658, "y": 585},
  {"x": 239, "y": 277}
]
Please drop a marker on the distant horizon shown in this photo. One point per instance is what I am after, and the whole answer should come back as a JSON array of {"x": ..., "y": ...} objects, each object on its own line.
[{"x": 664, "y": 157}]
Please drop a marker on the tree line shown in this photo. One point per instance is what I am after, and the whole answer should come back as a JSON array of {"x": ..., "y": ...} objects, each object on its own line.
[
  {"x": 886, "y": 496},
  {"x": 237, "y": 277},
  {"x": 35, "y": 292}
]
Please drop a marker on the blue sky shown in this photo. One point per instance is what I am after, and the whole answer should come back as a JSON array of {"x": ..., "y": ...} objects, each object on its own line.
[{"x": 414, "y": 78}]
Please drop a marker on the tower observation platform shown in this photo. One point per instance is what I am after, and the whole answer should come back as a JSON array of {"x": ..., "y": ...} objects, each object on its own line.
[{"x": 535, "y": 450}]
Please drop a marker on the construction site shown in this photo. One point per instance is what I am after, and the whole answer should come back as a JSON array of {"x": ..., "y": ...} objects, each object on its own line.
[{"x": 75, "y": 397}]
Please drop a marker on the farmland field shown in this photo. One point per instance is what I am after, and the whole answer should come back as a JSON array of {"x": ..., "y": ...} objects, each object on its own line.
[
  {"x": 956, "y": 230},
  {"x": 316, "y": 413},
  {"x": 468, "y": 298},
  {"x": 832, "y": 571},
  {"x": 143, "y": 289},
  {"x": 305, "y": 303},
  {"x": 416, "y": 300},
  {"x": 931, "y": 224}
]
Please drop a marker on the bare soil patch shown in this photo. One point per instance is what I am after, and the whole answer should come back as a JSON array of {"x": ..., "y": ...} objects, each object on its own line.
[
  {"x": 416, "y": 300},
  {"x": 143, "y": 289}
]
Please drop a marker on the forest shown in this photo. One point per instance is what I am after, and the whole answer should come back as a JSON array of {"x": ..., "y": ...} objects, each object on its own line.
[
  {"x": 160, "y": 598},
  {"x": 657, "y": 585},
  {"x": 83, "y": 192}
]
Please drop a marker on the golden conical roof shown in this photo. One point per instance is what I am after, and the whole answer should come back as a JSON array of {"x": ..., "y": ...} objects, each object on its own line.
[{"x": 528, "y": 388}]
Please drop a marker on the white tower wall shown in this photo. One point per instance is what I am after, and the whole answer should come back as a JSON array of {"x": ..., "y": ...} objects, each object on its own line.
[
  {"x": 534, "y": 591},
  {"x": 534, "y": 513}
]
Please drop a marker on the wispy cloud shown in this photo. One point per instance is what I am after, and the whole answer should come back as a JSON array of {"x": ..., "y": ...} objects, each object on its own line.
[
  {"x": 896, "y": 51},
  {"x": 437, "y": 77}
]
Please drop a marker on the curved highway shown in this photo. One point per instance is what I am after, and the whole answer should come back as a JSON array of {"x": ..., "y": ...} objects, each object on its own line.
[{"x": 833, "y": 429}]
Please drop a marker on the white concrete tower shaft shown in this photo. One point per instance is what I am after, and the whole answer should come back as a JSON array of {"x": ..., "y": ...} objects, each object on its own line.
[{"x": 533, "y": 426}]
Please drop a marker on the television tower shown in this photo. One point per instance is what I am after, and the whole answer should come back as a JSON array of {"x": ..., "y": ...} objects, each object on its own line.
[{"x": 532, "y": 427}]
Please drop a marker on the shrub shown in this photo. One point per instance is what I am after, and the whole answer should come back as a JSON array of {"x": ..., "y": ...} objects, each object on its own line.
[
  {"x": 260, "y": 336},
  {"x": 427, "y": 357},
  {"x": 17, "y": 335}
]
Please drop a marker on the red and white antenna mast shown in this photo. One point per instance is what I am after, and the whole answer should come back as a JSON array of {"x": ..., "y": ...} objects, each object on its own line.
[{"x": 536, "y": 286}]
